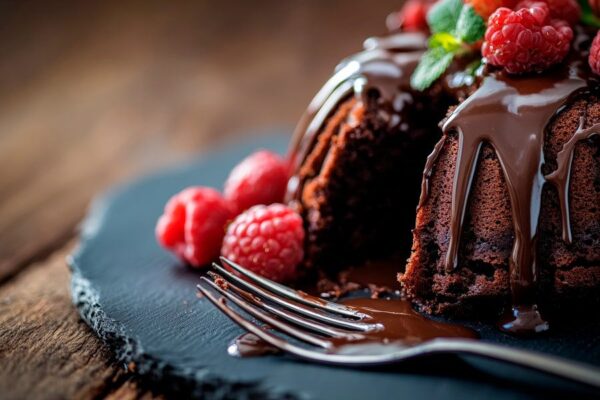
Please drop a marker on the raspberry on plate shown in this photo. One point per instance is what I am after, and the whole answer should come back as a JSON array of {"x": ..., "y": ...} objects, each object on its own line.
[
  {"x": 569, "y": 10},
  {"x": 193, "y": 225},
  {"x": 594, "y": 57},
  {"x": 526, "y": 40},
  {"x": 485, "y": 8},
  {"x": 260, "y": 178},
  {"x": 267, "y": 240}
]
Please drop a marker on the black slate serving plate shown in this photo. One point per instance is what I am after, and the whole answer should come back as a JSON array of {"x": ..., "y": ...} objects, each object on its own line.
[{"x": 142, "y": 302}]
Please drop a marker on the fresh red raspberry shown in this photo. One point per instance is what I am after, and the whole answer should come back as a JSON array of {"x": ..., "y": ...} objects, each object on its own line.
[
  {"x": 594, "y": 58},
  {"x": 595, "y": 5},
  {"x": 267, "y": 240},
  {"x": 485, "y": 8},
  {"x": 414, "y": 15},
  {"x": 260, "y": 178},
  {"x": 411, "y": 18},
  {"x": 193, "y": 225},
  {"x": 568, "y": 10},
  {"x": 526, "y": 40}
]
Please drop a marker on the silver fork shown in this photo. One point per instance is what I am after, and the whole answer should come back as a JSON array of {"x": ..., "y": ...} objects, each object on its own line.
[{"x": 319, "y": 323}]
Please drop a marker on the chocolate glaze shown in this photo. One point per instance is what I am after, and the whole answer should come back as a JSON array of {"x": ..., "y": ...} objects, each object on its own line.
[
  {"x": 510, "y": 113},
  {"x": 385, "y": 66}
]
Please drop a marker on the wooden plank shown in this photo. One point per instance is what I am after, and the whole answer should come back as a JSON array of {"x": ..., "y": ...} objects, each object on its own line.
[
  {"x": 46, "y": 351},
  {"x": 131, "y": 390},
  {"x": 94, "y": 93}
]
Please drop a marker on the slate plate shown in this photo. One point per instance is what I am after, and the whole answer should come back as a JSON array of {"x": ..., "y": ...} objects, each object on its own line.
[{"x": 142, "y": 302}]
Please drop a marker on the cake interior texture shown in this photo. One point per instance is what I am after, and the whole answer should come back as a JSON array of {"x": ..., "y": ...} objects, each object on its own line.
[{"x": 361, "y": 182}]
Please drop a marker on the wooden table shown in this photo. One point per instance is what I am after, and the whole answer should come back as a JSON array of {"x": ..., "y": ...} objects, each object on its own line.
[{"x": 95, "y": 94}]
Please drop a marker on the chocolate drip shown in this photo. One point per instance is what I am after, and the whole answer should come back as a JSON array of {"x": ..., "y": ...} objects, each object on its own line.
[
  {"x": 511, "y": 114},
  {"x": 428, "y": 170},
  {"x": 561, "y": 177}
]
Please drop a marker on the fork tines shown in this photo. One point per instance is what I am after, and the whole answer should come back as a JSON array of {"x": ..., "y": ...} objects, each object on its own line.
[
  {"x": 296, "y": 314},
  {"x": 291, "y": 293}
]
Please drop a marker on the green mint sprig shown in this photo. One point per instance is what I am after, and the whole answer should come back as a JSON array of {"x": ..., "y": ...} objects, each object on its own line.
[
  {"x": 454, "y": 26},
  {"x": 587, "y": 14}
]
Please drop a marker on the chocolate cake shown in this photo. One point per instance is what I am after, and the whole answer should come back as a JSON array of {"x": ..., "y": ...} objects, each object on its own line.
[{"x": 506, "y": 187}]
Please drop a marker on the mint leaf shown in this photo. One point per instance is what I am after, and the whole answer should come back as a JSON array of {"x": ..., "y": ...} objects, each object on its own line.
[
  {"x": 432, "y": 65},
  {"x": 445, "y": 40},
  {"x": 444, "y": 15},
  {"x": 455, "y": 26},
  {"x": 588, "y": 16},
  {"x": 470, "y": 27}
]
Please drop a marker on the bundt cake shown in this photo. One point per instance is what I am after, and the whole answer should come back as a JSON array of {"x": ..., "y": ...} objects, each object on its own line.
[{"x": 507, "y": 186}]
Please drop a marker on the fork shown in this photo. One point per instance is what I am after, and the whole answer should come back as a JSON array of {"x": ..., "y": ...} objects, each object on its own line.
[{"x": 322, "y": 325}]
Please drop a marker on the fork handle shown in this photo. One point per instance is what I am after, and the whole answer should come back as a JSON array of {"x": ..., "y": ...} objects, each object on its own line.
[{"x": 574, "y": 371}]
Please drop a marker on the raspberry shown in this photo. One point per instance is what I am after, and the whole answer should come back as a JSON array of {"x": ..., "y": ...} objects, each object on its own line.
[
  {"x": 526, "y": 40},
  {"x": 594, "y": 58},
  {"x": 260, "y": 178},
  {"x": 193, "y": 225},
  {"x": 411, "y": 18},
  {"x": 267, "y": 240},
  {"x": 485, "y": 8},
  {"x": 595, "y": 6},
  {"x": 414, "y": 15},
  {"x": 568, "y": 10}
]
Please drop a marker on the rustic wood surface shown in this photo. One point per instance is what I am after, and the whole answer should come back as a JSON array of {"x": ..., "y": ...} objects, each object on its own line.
[{"x": 93, "y": 94}]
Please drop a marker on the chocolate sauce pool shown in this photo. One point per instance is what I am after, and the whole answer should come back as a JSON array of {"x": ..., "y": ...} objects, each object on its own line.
[
  {"x": 400, "y": 324},
  {"x": 250, "y": 345},
  {"x": 379, "y": 277}
]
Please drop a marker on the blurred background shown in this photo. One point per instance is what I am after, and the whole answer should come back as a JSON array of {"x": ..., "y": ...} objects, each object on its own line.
[{"x": 92, "y": 93}]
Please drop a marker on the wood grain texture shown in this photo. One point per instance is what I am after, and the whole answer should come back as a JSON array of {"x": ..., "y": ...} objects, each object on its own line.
[
  {"x": 93, "y": 94},
  {"x": 45, "y": 350}
]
